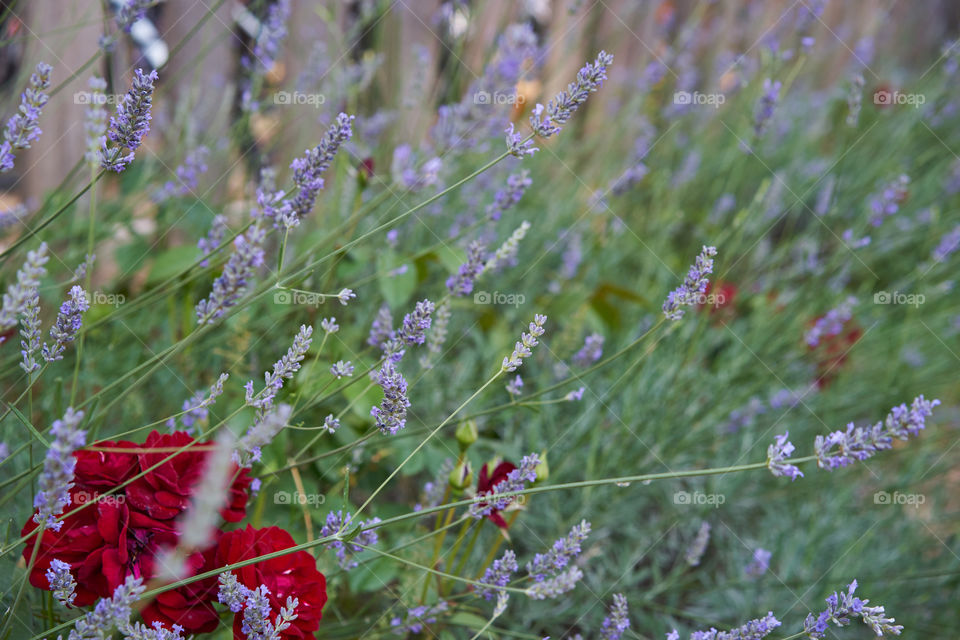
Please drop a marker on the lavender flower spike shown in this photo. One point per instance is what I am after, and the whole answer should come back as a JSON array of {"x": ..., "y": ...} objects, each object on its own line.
[
  {"x": 30, "y": 333},
  {"x": 461, "y": 284},
  {"x": 415, "y": 324},
  {"x": 503, "y": 199},
  {"x": 498, "y": 574},
  {"x": 830, "y": 324},
  {"x": 243, "y": 263},
  {"x": 507, "y": 252},
  {"x": 391, "y": 415},
  {"x": 693, "y": 286},
  {"x": 381, "y": 330},
  {"x": 67, "y": 325},
  {"x": 57, "y": 477},
  {"x": 860, "y": 443},
  {"x": 516, "y": 480},
  {"x": 20, "y": 293},
  {"x": 556, "y": 586},
  {"x": 110, "y": 613},
  {"x": 753, "y": 630},
  {"x": 777, "y": 453},
  {"x": 61, "y": 582},
  {"x": 338, "y": 521},
  {"x": 842, "y": 607},
  {"x": 307, "y": 171},
  {"x": 261, "y": 433},
  {"x": 766, "y": 105},
  {"x": 528, "y": 341},
  {"x": 22, "y": 128},
  {"x": 546, "y": 565},
  {"x": 517, "y": 145},
  {"x": 283, "y": 369},
  {"x": 130, "y": 124},
  {"x": 546, "y": 121},
  {"x": 699, "y": 545},
  {"x": 618, "y": 621}
]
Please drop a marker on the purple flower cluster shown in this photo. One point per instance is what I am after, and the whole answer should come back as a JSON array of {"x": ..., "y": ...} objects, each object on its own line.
[
  {"x": 777, "y": 453},
  {"x": 256, "y": 623},
  {"x": 831, "y": 323},
  {"x": 131, "y": 122},
  {"x": 338, "y": 521},
  {"x": 461, "y": 284},
  {"x": 523, "y": 348},
  {"x": 241, "y": 266},
  {"x": 30, "y": 332},
  {"x": 590, "y": 352},
  {"x": 417, "y": 617},
  {"x": 693, "y": 287},
  {"x": 67, "y": 325},
  {"x": 21, "y": 293},
  {"x": 760, "y": 563},
  {"x": 22, "y": 128},
  {"x": 765, "y": 106},
  {"x": 887, "y": 202},
  {"x": 391, "y": 414},
  {"x": 556, "y": 586},
  {"x": 265, "y": 427},
  {"x": 415, "y": 324},
  {"x": 307, "y": 172},
  {"x": 547, "y": 121},
  {"x": 841, "y": 608},
  {"x": 110, "y": 613},
  {"x": 58, "y": 465},
  {"x": 516, "y": 480},
  {"x": 283, "y": 369},
  {"x": 381, "y": 330},
  {"x": 546, "y": 565},
  {"x": 697, "y": 548},
  {"x": 948, "y": 244},
  {"x": 753, "y": 630},
  {"x": 61, "y": 582},
  {"x": 842, "y": 448},
  {"x": 342, "y": 369},
  {"x": 503, "y": 199},
  {"x": 214, "y": 237},
  {"x": 498, "y": 574},
  {"x": 272, "y": 33},
  {"x": 130, "y": 11},
  {"x": 616, "y": 624},
  {"x": 188, "y": 175}
]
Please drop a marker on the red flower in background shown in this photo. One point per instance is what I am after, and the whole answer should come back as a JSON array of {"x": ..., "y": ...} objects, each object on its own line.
[
  {"x": 120, "y": 535},
  {"x": 164, "y": 493},
  {"x": 487, "y": 481},
  {"x": 190, "y": 606},
  {"x": 294, "y": 574},
  {"x": 719, "y": 297}
]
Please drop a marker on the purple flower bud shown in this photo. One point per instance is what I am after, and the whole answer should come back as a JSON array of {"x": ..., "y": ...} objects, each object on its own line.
[
  {"x": 777, "y": 453},
  {"x": 391, "y": 414},
  {"x": 693, "y": 286},
  {"x": 22, "y": 128},
  {"x": 131, "y": 122},
  {"x": 68, "y": 323},
  {"x": 498, "y": 574},
  {"x": 546, "y": 121},
  {"x": 58, "y": 465}
]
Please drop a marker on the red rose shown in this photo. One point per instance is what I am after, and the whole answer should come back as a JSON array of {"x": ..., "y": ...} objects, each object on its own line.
[
  {"x": 486, "y": 482},
  {"x": 190, "y": 606},
  {"x": 165, "y": 492},
  {"x": 104, "y": 470},
  {"x": 294, "y": 574},
  {"x": 103, "y": 543}
]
